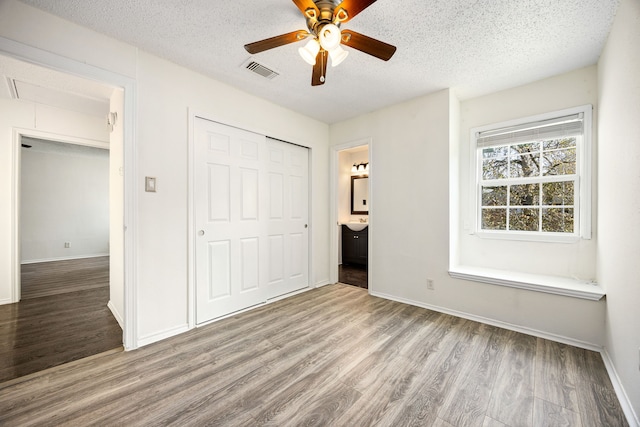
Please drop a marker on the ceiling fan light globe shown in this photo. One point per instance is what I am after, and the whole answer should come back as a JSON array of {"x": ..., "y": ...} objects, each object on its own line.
[
  {"x": 310, "y": 51},
  {"x": 330, "y": 37},
  {"x": 337, "y": 56}
]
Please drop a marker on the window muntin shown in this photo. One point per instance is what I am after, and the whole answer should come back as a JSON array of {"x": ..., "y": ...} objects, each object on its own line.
[{"x": 528, "y": 177}]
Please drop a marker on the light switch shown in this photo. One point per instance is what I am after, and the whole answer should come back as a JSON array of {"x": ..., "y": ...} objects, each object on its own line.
[{"x": 149, "y": 184}]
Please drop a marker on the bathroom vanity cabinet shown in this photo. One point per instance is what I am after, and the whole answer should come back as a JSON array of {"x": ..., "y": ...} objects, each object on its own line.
[{"x": 355, "y": 246}]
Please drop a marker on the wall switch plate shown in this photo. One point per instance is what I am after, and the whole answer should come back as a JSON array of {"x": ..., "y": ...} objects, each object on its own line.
[
  {"x": 430, "y": 284},
  {"x": 149, "y": 184}
]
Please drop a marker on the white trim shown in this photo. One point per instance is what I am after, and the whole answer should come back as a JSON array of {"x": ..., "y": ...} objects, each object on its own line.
[
  {"x": 191, "y": 225},
  {"x": 56, "y": 137},
  {"x": 529, "y": 331},
  {"x": 162, "y": 335},
  {"x": 532, "y": 282},
  {"x": 63, "y": 258},
  {"x": 15, "y": 219},
  {"x": 524, "y": 236},
  {"x": 625, "y": 402},
  {"x": 66, "y": 65},
  {"x": 333, "y": 196},
  {"x": 17, "y": 133},
  {"x": 289, "y": 294},
  {"x": 111, "y": 306},
  {"x": 322, "y": 283}
]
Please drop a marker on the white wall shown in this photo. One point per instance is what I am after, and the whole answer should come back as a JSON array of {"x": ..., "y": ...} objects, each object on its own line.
[
  {"x": 410, "y": 155},
  {"x": 619, "y": 206},
  {"x": 571, "y": 260},
  {"x": 165, "y": 93},
  {"x": 64, "y": 198}
]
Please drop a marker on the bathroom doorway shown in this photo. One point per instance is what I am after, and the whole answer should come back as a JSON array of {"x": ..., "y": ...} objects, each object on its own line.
[{"x": 352, "y": 201}]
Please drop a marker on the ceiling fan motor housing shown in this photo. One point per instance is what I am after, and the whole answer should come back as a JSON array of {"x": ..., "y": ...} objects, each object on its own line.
[{"x": 326, "y": 8}]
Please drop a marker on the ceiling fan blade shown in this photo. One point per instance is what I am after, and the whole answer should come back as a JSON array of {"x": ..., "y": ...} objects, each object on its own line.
[
  {"x": 281, "y": 40},
  {"x": 352, "y": 8},
  {"x": 320, "y": 69},
  {"x": 305, "y": 5},
  {"x": 368, "y": 45}
]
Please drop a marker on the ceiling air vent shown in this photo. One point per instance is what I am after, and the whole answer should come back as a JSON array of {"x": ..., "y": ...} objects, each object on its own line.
[{"x": 260, "y": 69}]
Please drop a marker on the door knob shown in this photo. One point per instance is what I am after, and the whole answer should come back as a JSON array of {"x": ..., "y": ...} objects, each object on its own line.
[{"x": 201, "y": 233}]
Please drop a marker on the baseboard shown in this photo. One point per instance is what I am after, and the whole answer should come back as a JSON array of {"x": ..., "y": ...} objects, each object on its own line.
[
  {"x": 5, "y": 301},
  {"x": 322, "y": 283},
  {"x": 116, "y": 314},
  {"x": 159, "y": 336},
  {"x": 529, "y": 331},
  {"x": 64, "y": 258},
  {"x": 625, "y": 402}
]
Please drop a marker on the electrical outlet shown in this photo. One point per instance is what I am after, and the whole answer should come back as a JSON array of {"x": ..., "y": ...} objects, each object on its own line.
[
  {"x": 67, "y": 244},
  {"x": 430, "y": 284}
]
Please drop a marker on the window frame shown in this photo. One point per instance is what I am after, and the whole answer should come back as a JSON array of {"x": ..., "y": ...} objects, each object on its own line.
[{"x": 582, "y": 180}]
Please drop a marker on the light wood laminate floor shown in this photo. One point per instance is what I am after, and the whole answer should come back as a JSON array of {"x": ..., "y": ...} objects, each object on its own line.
[{"x": 333, "y": 356}]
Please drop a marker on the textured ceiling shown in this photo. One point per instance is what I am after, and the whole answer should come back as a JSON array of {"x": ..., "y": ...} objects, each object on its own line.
[{"x": 473, "y": 46}]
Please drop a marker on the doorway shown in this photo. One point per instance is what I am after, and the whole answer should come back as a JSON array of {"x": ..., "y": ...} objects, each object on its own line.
[{"x": 352, "y": 204}]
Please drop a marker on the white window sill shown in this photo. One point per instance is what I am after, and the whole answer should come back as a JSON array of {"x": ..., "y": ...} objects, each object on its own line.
[
  {"x": 533, "y": 282},
  {"x": 529, "y": 237}
]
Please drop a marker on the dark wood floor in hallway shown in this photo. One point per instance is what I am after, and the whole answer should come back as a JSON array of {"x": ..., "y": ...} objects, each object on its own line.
[
  {"x": 355, "y": 275},
  {"x": 333, "y": 356},
  {"x": 63, "y": 316}
]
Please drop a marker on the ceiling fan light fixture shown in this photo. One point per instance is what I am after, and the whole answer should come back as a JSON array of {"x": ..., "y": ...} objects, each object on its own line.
[
  {"x": 310, "y": 51},
  {"x": 337, "y": 56},
  {"x": 330, "y": 37}
]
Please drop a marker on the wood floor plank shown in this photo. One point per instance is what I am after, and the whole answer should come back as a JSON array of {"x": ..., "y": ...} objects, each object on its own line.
[
  {"x": 512, "y": 397},
  {"x": 330, "y": 356},
  {"x": 428, "y": 393},
  {"x": 556, "y": 378},
  {"x": 601, "y": 406},
  {"x": 490, "y": 422},
  {"x": 62, "y": 317},
  {"x": 547, "y": 414},
  {"x": 467, "y": 404}
]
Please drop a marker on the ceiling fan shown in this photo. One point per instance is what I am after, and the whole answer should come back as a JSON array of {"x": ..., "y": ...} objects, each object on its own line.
[{"x": 324, "y": 18}]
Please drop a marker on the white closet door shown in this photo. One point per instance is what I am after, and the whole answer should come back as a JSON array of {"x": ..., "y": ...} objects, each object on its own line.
[
  {"x": 288, "y": 216},
  {"x": 235, "y": 197}
]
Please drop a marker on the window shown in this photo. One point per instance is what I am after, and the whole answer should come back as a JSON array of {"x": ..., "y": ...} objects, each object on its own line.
[{"x": 532, "y": 179}]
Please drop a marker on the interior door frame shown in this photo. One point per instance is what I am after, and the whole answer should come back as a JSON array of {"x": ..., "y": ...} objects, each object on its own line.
[
  {"x": 333, "y": 205},
  {"x": 191, "y": 225},
  {"x": 18, "y": 134},
  {"x": 63, "y": 64}
]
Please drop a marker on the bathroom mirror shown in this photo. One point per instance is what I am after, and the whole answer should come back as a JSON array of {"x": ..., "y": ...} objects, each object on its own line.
[{"x": 359, "y": 195}]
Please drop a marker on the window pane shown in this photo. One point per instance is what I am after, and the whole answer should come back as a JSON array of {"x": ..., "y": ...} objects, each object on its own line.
[
  {"x": 557, "y": 220},
  {"x": 494, "y": 196},
  {"x": 554, "y": 144},
  {"x": 494, "y": 163},
  {"x": 525, "y": 195},
  {"x": 494, "y": 219},
  {"x": 524, "y": 160},
  {"x": 523, "y": 219},
  {"x": 560, "y": 162},
  {"x": 557, "y": 193}
]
